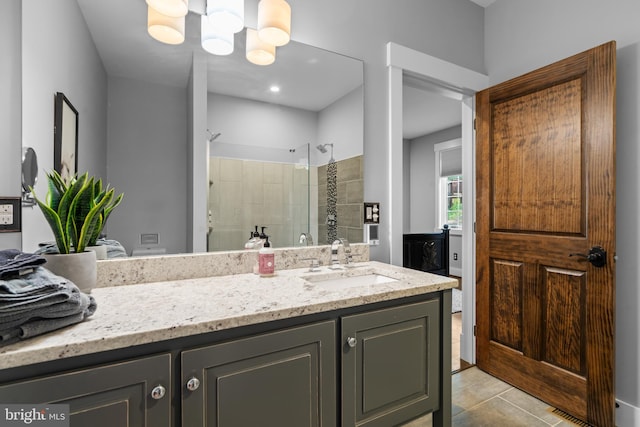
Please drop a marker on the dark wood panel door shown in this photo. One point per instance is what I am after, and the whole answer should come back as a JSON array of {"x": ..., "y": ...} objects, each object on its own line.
[{"x": 545, "y": 202}]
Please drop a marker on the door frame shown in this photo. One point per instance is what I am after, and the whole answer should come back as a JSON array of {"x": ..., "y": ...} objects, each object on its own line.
[{"x": 455, "y": 82}]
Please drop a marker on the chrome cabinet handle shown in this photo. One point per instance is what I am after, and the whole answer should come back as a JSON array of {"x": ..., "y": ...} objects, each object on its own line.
[
  {"x": 193, "y": 384},
  {"x": 351, "y": 342},
  {"x": 158, "y": 392}
]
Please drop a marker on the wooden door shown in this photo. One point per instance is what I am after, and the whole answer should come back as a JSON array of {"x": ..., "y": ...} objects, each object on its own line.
[{"x": 545, "y": 191}]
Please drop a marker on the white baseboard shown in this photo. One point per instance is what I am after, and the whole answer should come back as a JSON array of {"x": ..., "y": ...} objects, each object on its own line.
[
  {"x": 455, "y": 272},
  {"x": 627, "y": 415}
]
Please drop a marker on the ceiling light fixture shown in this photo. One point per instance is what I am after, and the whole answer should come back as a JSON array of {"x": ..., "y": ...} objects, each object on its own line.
[
  {"x": 221, "y": 20},
  {"x": 165, "y": 28},
  {"x": 215, "y": 40},
  {"x": 259, "y": 52},
  {"x": 174, "y": 8},
  {"x": 274, "y": 22},
  {"x": 226, "y": 15}
]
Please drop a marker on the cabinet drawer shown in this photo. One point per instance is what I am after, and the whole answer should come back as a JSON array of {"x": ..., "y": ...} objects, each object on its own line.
[
  {"x": 284, "y": 378},
  {"x": 390, "y": 364},
  {"x": 115, "y": 395}
]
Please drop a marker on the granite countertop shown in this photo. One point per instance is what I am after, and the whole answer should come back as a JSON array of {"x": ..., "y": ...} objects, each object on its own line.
[{"x": 144, "y": 313}]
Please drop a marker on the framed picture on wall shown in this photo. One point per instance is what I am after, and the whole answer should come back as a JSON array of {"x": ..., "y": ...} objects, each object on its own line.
[{"x": 65, "y": 138}]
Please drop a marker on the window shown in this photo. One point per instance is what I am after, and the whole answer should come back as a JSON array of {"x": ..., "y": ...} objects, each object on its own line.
[
  {"x": 451, "y": 201},
  {"x": 448, "y": 156}
]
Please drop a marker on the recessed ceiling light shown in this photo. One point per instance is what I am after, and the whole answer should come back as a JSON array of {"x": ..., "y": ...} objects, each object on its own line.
[{"x": 274, "y": 89}]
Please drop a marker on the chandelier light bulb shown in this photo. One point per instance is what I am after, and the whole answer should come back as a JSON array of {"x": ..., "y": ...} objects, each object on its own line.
[{"x": 274, "y": 22}]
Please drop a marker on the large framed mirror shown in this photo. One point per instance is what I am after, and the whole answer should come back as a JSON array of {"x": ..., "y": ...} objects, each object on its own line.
[{"x": 141, "y": 104}]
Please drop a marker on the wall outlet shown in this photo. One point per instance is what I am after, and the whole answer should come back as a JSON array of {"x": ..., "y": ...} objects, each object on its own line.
[
  {"x": 455, "y": 256},
  {"x": 10, "y": 215}
]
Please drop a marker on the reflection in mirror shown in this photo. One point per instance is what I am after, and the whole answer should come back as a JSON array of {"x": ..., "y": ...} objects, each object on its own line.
[
  {"x": 264, "y": 168},
  {"x": 65, "y": 139},
  {"x": 29, "y": 175},
  {"x": 148, "y": 126}
]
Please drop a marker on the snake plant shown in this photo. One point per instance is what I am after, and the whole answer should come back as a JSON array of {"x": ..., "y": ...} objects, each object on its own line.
[{"x": 76, "y": 211}]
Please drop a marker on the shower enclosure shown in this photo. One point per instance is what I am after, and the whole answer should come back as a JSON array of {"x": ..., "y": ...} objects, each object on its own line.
[{"x": 269, "y": 187}]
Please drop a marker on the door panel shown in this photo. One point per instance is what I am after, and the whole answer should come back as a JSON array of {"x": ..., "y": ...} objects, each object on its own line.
[{"x": 546, "y": 192}]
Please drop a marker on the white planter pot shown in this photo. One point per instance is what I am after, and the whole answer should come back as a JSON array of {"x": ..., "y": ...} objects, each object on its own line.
[
  {"x": 100, "y": 250},
  {"x": 80, "y": 268}
]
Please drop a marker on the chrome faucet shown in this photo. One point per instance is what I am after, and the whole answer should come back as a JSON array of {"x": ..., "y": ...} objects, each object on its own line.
[
  {"x": 335, "y": 262},
  {"x": 306, "y": 239}
]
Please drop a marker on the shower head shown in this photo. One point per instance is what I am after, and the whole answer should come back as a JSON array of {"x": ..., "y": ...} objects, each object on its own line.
[
  {"x": 323, "y": 147},
  {"x": 212, "y": 136}
]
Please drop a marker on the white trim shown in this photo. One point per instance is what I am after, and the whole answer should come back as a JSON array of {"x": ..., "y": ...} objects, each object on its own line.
[
  {"x": 455, "y": 271},
  {"x": 627, "y": 414},
  {"x": 458, "y": 83},
  {"x": 447, "y": 145}
]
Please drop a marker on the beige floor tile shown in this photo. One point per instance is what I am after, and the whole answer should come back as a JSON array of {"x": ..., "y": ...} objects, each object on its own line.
[
  {"x": 531, "y": 405},
  {"x": 494, "y": 413},
  {"x": 472, "y": 387}
]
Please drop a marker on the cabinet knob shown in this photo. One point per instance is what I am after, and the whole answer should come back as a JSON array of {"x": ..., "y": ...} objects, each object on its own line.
[
  {"x": 351, "y": 342},
  {"x": 193, "y": 384},
  {"x": 158, "y": 392}
]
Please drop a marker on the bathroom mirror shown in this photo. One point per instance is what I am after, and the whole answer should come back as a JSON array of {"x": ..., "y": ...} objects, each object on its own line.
[
  {"x": 29, "y": 175},
  {"x": 134, "y": 60}
]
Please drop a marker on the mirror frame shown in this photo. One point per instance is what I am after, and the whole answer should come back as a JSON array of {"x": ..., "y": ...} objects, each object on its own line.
[{"x": 65, "y": 137}]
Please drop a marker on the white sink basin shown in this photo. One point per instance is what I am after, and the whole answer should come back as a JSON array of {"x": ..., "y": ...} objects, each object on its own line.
[{"x": 342, "y": 282}]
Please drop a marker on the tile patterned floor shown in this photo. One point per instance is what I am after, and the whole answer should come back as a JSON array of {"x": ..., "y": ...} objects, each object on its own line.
[{"x": 481, "y": 400}]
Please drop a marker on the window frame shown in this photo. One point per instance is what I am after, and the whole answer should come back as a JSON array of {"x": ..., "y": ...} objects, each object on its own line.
[{"x": 441, "y": 184}]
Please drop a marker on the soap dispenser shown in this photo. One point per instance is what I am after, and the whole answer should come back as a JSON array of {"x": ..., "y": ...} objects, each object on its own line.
[{"x": 266, "y": 259}]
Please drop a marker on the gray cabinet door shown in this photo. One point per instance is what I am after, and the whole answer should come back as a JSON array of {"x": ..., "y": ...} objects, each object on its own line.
[
  {"x": 115, "y": 395},
  {"x": 390, "y": 364},
  {"x": 280, "y": 379}
]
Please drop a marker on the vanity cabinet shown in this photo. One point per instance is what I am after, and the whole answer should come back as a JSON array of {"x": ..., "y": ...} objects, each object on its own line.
[
  {"x": 377, "y": 365},
  {"x": 391, "y": 364},
  {"x": 130, "y": 393},
  {"x": 285, "y": 378}
]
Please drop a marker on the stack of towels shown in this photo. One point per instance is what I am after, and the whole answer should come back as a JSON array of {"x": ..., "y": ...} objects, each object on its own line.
[{"x": 34, "y": 301}]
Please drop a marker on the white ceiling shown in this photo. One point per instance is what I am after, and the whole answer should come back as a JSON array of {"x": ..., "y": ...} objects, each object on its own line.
[
  {"x": 483, "y": 3},
  {"x": 118, "y": 28}
]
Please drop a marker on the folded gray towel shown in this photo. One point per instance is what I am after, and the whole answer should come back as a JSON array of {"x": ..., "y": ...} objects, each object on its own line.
[
  {"x": 114, "y": 248},
  {"x": 75, "y": 302},
  {"x": 38, "y": 327},
  {"x": 14, "y": 261},
  {"x": 40, "y": 288},
  {"x": 40, "y": 302}
]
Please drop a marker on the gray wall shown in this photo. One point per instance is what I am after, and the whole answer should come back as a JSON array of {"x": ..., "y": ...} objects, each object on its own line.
[
  {"x": 10, "y": 108},
  {"x": 521, "y": 36},
  {"x": 59, "y": 56},
  {"x": 421, "y": 200},
  {"x": 452, "y": 30},
  {"x": 147, "y": 157}
]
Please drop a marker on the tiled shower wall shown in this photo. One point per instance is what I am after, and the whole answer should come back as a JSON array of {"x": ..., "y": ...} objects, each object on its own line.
[
  {"x": 245, "y": 193},
  {"x": 350, "y": 201}
]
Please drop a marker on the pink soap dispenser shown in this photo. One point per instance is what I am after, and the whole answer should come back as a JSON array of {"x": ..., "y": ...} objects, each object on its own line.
[{"x": 266, "y": 260}]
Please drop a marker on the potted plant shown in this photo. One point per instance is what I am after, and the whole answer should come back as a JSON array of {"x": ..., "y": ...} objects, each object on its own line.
[
  {"x": 76, "y": 212},
  {"x": 99, "y": 192}
]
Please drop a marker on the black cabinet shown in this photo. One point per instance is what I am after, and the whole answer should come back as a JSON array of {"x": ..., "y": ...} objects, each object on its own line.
[
  {"x": 133, "y": 393},
  {"x": 428, "y": 252}
]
